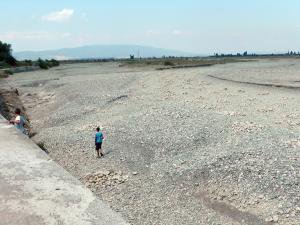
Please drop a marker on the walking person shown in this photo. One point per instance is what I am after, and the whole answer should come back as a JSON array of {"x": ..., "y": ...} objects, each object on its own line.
[{"x": 98, "y": 142}]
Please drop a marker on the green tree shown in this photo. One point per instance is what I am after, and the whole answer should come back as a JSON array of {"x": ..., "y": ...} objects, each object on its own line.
[
  {"x": 42, "y": 64},
  {"x": 54, "y": 62},
  {"x": 5, "y": 54}
]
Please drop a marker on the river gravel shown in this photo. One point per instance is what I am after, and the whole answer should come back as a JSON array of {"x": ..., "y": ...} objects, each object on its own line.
[{"x": 209, "y": 145}]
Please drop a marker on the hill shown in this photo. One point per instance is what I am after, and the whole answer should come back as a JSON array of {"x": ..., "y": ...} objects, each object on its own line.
[{"x": 100, "y": 51}]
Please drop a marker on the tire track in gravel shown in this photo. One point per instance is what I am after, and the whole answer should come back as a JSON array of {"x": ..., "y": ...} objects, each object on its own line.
[{"x": 257, "y": 84}]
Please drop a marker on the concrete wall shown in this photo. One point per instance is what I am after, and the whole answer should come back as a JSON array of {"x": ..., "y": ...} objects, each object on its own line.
[{"x": 35, "y": 190}]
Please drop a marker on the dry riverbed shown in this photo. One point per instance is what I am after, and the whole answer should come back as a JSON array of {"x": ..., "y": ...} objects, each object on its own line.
[{"x": 207, "y": 145}]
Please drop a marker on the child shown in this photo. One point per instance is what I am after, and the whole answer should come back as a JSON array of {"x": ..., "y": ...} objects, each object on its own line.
[
  {"x": 98, "y": 142},
  {"x": 19, "y": 121}
]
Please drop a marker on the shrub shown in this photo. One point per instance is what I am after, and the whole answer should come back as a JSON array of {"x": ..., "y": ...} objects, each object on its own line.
[
  {"x": 28, "y": 62},
  {"x": 3, "y": 75},
  {"x": 3, "y": 64},
  {"x": 46, "y": 64},
  {"x": 10, "y": 60},
  {"x": 168, "y": 63},
  {"x": 54, "y": 62},
  {"x": 43, "y": 64},
  {"x": 8, "y": 72}
]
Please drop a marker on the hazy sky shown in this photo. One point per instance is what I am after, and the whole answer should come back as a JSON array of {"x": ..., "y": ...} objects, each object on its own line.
[{"x": 200, "y": 26}]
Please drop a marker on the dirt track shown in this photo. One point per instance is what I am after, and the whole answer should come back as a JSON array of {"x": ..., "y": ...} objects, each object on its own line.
[{"x": 183, "y": 147}]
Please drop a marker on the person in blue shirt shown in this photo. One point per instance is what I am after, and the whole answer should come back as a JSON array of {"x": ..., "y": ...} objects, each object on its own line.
[
  {"x": 19, "y": 121},
  {"x": 98, "y": 142}
]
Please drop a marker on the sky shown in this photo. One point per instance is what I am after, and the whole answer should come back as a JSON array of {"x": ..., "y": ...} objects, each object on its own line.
[{"x": 196, "y": 26}]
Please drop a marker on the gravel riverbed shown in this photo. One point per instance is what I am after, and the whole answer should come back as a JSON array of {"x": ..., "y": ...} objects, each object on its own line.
[{"x": 209, "y": 145}]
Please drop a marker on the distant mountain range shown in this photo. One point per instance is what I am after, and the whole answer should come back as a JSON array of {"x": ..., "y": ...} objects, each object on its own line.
[{"x": 100, "y": 51}]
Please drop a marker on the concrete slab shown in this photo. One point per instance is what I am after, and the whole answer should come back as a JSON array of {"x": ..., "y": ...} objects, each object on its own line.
[{"x": 35, "y": 190}]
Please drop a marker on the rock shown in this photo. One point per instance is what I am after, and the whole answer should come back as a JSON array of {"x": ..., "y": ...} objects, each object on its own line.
[
  {"x": 104, "y": 179},
  {"x": 269, "y": 219},
  {"x": 134, "y": 173},
  {"x": 275, "y": 218},
  {"x": 107, "y": 172},
  {"x": 261, "y": 196}
]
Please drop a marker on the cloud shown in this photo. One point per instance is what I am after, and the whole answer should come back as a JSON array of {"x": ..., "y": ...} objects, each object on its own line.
[
  {"x": 177, "y": 32},
  {"x": 59, "y": 16},
  {"x": 165, "y": 33},
  {"x": 34, "y": 35}
]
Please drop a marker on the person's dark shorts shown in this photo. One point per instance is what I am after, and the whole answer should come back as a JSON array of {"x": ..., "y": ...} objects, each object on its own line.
[{"x": 98, "y": 145}]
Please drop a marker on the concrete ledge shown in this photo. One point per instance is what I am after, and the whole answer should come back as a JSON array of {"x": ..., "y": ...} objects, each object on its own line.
[{"x": 35, "y": 190}]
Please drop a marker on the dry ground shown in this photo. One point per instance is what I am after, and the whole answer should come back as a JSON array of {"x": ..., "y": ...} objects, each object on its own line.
[{"x": 208, "y": 145}]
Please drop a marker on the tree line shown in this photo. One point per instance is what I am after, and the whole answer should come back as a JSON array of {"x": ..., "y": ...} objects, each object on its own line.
[
  {"x": 7, "y": 60},
  {"x": 246, "y": 54}
]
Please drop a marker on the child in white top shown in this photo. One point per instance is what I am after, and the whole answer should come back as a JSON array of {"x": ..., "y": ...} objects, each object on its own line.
[{"x": 19, "y": 121}]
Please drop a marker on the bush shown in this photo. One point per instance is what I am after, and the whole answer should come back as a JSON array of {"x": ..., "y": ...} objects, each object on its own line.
[
  {"x": 46, "y": 64},
  {"x": 10, "y": 60},
  {"x": 169, "y": 63},
  {"x": 3, "y": 64},
  {"x": 8, "y": 72},
  {"x": 54, "y": 62},
  {"x": 43, "y": 64},
  {"x": 3, "y": 75},
  {"x": 28, "y": 62}
]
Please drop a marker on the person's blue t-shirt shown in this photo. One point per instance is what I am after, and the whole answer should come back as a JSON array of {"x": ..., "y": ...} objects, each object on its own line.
[{"x": 98, "y": 137}]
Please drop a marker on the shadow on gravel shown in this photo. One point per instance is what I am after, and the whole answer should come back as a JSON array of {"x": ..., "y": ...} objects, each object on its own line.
[
  {"x": 107, "y": 152},
  {"x": 42, "y": 146},
  {"x": 231, "y": 212}
]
